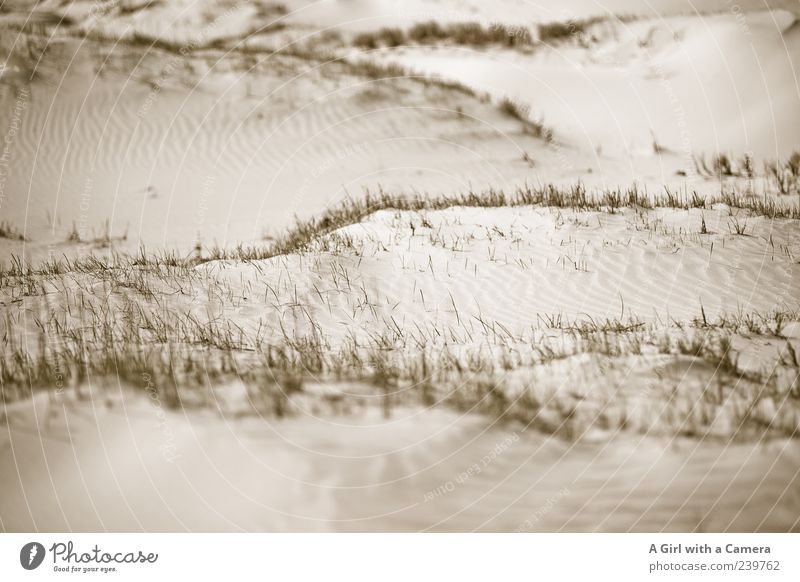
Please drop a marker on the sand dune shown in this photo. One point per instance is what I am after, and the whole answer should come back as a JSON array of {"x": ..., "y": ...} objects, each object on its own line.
[
  {"x": 372, "y": 14},
  {"x": 482, "y": 368},
  {"x": 84, "y": 466},
  {"x": 597, "y": 266},
  {"x": 160, "y": 161},
  {"x": 158, "y": 143},
  {"x": 688, "y": 84}
]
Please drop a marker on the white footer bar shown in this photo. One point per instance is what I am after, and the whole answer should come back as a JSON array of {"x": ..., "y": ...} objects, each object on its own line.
[{"x": 400, "y": 557}]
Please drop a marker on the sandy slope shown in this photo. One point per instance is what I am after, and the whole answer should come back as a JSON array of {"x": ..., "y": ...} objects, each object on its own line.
[
  {"x": 115, "y": 458},
  {"x": 718, "y": 83},
  {"x": 447, "y": 269},
  {"x": 82, "y": 466},
  {"x": 214, "y": 153},
  {"x": 155, "y": 144},
  {"x": 371, "y": 14},
  {"x": 177, "y": 150}
]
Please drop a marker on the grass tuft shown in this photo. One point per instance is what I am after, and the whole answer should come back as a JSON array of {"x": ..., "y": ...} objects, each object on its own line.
[{"x": 431, "y": 32}]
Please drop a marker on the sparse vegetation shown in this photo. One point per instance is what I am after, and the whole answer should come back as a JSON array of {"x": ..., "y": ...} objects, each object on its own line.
[
  {"x": 521, "y": 112},
  {"x": 477, "y": 35},
  {"x": 73, "y": 322},
  {"x": 782, "y": 175},
  {"x": 785, "y": 175},
  {"x": 10, "y": 232},
  {"x": 560, "y": 31},
  {"x": 351, "y": 211},
  {"x": 471, "y": 34},
  {"x": 390, "y": 37},
  {"x": 102, "y": 240},
  {"x": 737, "y": 226}
]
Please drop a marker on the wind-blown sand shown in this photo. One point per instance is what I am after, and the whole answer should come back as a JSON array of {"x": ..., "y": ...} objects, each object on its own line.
[
  {"x": 670, "y": 77},
  {"x": 592, "y": 370},
  {"x": 82, "y": 466},
  {"x": 151, "y": 145},
  {"x": 104, "y": 455},
  {"x": 448, "y": 268},
  {"x": 211, "y": 155}
]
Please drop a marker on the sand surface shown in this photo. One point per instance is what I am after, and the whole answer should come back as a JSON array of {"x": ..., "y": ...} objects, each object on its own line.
[
  {"x": 147, "y": 144},
  {"x": 122, "y": 138},
  {"x": 85, "y": 466},
  {"x": 636, "y": 83}
]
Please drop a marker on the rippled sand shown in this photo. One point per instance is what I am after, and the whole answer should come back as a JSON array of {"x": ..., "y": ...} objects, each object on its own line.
[{"x": 118, "y": 139}]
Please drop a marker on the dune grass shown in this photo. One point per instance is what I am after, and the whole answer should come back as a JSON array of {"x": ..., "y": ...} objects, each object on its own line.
[
  {"x": 522, "y": 113},
  {"x": 557, "y": 31},
  {"x": 354, "y": 210},
  {"x": 576, "y": 29},
  {"x": 577, "y": 197},
  {"x": 127, "y": 330},
  {"x": 478, "y": 35},
  {"x": 784, "y": 175},
  {"x": 10, "y": 232},
  {"x": 107, "y": 321},
  {"x": 431, "y": 32}
]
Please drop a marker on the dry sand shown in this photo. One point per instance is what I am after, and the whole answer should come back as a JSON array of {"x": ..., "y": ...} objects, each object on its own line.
[
  {"x": 216, "y": 147},
  {"x": 86, "y": 467}
]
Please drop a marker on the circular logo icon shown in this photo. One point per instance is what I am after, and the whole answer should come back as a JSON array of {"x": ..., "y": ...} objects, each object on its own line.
[{"x": 31, "y": 555}]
